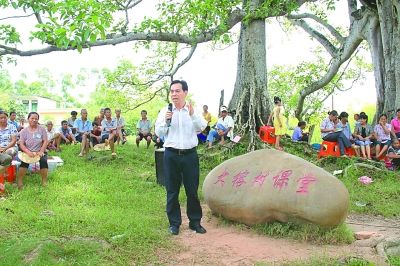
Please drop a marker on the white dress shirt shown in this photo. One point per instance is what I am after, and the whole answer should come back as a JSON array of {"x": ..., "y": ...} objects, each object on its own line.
[
  {"x": 227, "y": 122},
  {"x": 182, "y": 132}
]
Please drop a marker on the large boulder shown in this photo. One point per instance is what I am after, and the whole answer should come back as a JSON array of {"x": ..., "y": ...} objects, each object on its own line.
[{"x": 270, "y": 185}]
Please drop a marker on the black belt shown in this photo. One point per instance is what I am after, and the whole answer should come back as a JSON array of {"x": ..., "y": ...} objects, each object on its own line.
[{"x": 181, "y": 152}]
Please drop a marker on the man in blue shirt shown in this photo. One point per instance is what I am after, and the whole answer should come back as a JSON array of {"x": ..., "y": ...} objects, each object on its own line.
[
  {"x": 298, "y": 134},
  {"x": 83, "y": 128}
]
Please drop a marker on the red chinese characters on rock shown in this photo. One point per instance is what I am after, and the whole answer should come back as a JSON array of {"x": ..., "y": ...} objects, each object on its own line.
[
  {"x": 281, "y": 179},
  {"x": 304, "y": 182},
  {"x": 221, "y": 178},
  {"x": 260, "y": 179},
  {"x": 239, "y": 179}
]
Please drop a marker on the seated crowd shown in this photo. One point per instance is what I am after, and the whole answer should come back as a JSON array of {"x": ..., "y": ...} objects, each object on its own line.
[
  {"x": 35, "y": 141},
  {"x": 380, "y": 142}
]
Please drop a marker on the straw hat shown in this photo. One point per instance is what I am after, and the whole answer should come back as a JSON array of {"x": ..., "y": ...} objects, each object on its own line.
[
  {"x": 101, "y": 147},
  {"x": 26, "y": 158}
]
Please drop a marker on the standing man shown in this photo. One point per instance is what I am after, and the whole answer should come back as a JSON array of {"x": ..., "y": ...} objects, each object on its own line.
[
  {"x": 143, "y": 127},
  {"x": 83, "y": 128},
  {"x": 181, "y": 163}
]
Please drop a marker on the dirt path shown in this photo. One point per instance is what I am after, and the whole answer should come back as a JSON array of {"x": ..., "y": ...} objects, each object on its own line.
[{"x": 228, "y": 245}]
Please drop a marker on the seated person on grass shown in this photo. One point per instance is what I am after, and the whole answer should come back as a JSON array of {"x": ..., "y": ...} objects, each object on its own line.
[
  {"x": 363, "y": 134},
  {"x": 330, "y": 132},
  {"x": 109, "y": 130},
  {"x": 83, "y": 127},
  {"x": 71, "y": 121},
  {"x": 99, "y": 118},
  {"x": 223, "y": 129},
  {"x": 8, "y": 140},
  {"x": 143, "y": 129},
  {"x": 158, "y": 142},
  {"x": 394, "y": 154},
  {"x": 383, "y": 131},
  {"x": 95, "y": 135},
  {"x": 66, "y": 135},
  {"x": 396, "y": 124},
  {"x": 298, "y": 134},
  {"x": 13, "y": 120},
  {"x": 120, "y": 127},
  {"x": 53, "y": 137}
]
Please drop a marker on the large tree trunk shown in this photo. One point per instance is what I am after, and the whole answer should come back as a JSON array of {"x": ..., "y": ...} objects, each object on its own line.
[
  {"x": 387, "y": 50},
  {"x": 250, "y": 96}
]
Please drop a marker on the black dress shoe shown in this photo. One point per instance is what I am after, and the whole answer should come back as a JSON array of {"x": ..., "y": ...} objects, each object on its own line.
[
  {"x": 198, "y": 228},
  {"x": 173, "y": 230}
]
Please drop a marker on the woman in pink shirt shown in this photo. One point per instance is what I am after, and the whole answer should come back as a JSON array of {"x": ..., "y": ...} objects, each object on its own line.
[
  {"x": 396, "y": 124},
  {"x": 383, "y": 132}
]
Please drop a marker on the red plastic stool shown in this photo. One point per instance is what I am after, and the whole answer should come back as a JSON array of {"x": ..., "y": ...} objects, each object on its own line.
[
  {"x": 2, "y": 187},
  {"x": 267, "y": 134},
  {"x": 350, "y": 152},
  {"x": 329, "y": 148},
  {"x": 10, "y": 173}
]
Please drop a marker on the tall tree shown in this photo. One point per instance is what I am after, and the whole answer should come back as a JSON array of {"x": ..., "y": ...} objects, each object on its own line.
[
  {"x": 377, "y": 22},
  {"x": 73, "y": 24}
]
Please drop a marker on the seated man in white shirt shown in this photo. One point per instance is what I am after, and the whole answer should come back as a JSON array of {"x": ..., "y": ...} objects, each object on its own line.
[
  {"x": 53, "y": 137},
  {"x": 223, "y": 129}
]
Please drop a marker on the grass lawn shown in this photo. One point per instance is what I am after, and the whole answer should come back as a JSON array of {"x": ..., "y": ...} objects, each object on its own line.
[
  {"x": 112, "y": 212},
  {"x": 99, "y": 211}
]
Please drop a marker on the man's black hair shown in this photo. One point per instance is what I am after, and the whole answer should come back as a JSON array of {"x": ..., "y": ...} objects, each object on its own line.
[
  {"x": 182, "y": 82},
  {"x": 64, "y": 122},
  {"x": 301, "y": 123},
  {"x": 12, "y": 112},
  {"x": 74, "y": 113}
]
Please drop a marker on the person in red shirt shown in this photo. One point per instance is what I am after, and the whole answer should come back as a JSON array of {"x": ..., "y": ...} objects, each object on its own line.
[{"x": 95, "y": 135}]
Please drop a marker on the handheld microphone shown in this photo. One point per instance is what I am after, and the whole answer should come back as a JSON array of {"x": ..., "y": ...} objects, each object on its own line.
[{"x": 169, "y": 109}]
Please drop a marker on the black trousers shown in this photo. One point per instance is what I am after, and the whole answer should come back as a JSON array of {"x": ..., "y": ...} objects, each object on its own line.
[
  {"x": 42, "y": 162},
  {"x": 180, "y": 168}
]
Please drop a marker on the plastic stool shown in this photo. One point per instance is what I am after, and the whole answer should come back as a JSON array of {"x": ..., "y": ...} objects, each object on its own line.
[
  {"x": 267, "y": 134},
  {"x": 2, "y": 187},
  {"x": 350, "y": 152},
  {"x": 10, "y": 173},
  {"x": 329, "y": 148}
]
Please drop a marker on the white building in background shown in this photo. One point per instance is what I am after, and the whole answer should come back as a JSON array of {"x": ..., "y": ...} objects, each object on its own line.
[{"x": 48, "y": 109}]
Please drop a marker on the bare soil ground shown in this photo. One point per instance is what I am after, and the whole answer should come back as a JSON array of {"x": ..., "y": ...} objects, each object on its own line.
[{"x": 230, "y": 245}]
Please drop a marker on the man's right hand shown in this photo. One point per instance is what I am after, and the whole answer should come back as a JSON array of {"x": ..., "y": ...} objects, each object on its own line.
[{"x": 168, "y": 115}]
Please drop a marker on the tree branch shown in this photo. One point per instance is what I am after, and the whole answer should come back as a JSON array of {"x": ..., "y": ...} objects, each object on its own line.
[
  {"x": 11, "y": 17},
  {"x": 235, "y": 17},
  {"x": 329, "y": 27},
  {"x": 352, "y": 7},
  {"x": 351, "y": 43},
  {"x": 38, "y": 17},
  {"x": 134, "y": 4},
  {"x": 329, "y": 47}
]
